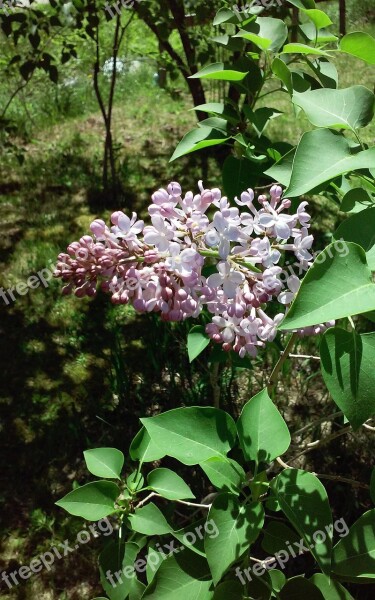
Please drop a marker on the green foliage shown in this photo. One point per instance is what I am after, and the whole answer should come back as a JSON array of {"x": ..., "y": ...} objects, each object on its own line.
[
  {"x": 262, "y": 431},
  {"x": 352, "y": 108},
  {"x": 197, "y": 341},
  {"x": 347, "y": 283},
  {"x": 105, "y": 462},
  {"x": 92, "y": 501},
  {"x": 301, "y": 495},
  {"x": 347, "y": 360},
  {"x": 192, "y": 435},
  {"x": 353, "y": 556},
  {"x": 230, "y": 488},
  {"x": 169, "y": 485},
  {"x": 238, "y": 528}
]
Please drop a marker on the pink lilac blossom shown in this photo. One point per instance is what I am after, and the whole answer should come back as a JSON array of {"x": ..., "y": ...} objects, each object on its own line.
[{"x": 199, "y": 252}]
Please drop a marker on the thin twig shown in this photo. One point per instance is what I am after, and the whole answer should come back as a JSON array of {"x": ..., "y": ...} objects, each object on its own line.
[
  {"x": 318, "y": 422},
  {"x": 318, "y": 443},
  {"x": 142, "y": 502},
  {"x": 154, "y": 495},
  {"x": 282, "y": 463},
  {"x": 280, "y": 362},
  {"x": 304, "y": 356},
  {"x": 351, "y": 482}
]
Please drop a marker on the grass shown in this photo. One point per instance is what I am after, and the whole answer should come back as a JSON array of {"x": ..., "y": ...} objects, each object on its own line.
[{"x": 79, "y": 374}]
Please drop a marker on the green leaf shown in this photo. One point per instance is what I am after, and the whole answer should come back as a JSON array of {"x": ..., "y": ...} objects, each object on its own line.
[
  {"x": 319, "y": 37},
  {"x": 359, "y": 44},
  {"x": 238, "y": 527},
  {"x": 154, "y": 560},
  {"x": 239, "y": 174},
  {"x": 360, "y": 229},
  {"x": 224, "y": 15},
  {"x": 260, "y": 586},
  {"x": 169, "y": 485},
  {"x": 338, "y": 285},
  {"x": 326, "y": 72},
  {"x": 323, "y": 155},
  {"x": 116, "y": 568},
  {"x": 199, "y": 138},
  {"x": 266, "y": 33},
  {"x": 304, "y": 501},
  {"x": 149, "y": 520},
  {"x": 193, "y": 434},
  {"x": 185, "y": 575},
  {"x": 303, "y": 49},
  {"x": 298, "y": 588},
  {"x": 354, "y": 555},
  {"x": 356, "y": 200},
  {"x": 350, "y": 108},
  {"x": 302, "y": 3},
  {"x": 261, "y": 117},
  {"x": 197, "y": 341},
  {"x": 137, "y": 589},
  {"x": 192, "y": 536},
  {"x": 92, "y": 501},
  {"x": 229, "y": 590},
  {"x": 224, "y": 474},
  {"x": 277, "y": 537},
  {"x": 372, "y": 486},
  {"x": 105, "y": 462},
  {"x": 218, "y": 72},
  {"x": 331, "y": 589},
  {"x": 278, "y": 579},
  {"x": 281, "y": 171},
  {"x": 262, "y": 431},
  {"x": 219, "y": 108},
  {"x": 318, "y": 17},
  {"x": 281, "y": 71},
  {"x": 143, "y": 449},
  {"x": 347, "y": 362}
]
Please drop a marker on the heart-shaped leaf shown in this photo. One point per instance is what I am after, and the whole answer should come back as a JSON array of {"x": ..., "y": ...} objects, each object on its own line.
[
  {"x": 262, "y": 431},
  {"x": 193, "y": 434},
  {"x": 350, "y": 108}
]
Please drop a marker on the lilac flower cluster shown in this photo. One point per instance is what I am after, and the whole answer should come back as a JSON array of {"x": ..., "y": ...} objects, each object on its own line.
[{"x": 198, "y": 251}]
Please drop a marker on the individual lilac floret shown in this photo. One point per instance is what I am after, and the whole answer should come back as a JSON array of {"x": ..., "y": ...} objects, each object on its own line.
[{"x": 200, "y": 252}]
